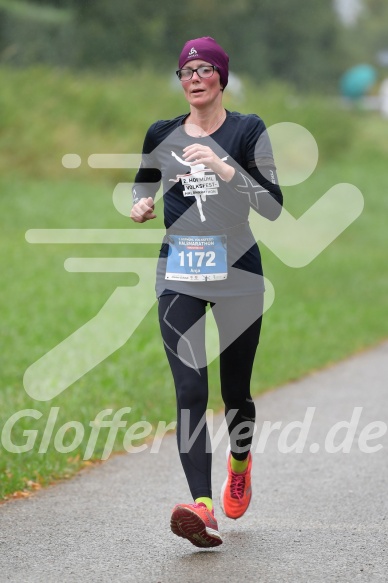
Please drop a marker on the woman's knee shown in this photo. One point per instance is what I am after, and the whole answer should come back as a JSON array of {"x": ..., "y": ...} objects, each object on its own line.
[{"x": 191, "y": 394}]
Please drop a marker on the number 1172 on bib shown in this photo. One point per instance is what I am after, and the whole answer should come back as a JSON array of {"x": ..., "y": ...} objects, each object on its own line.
[{"x": 196, "y": 258}]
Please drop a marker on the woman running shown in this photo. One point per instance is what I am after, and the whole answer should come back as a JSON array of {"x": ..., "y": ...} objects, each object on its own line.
[{"x": 214, "y": 166}]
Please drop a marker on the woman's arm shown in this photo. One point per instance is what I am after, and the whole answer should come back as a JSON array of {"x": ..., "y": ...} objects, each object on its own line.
[
  {"x": 264, "y": 193},
  {"x": 147, "y": 183},
  {"x": 258, "y": 179}
]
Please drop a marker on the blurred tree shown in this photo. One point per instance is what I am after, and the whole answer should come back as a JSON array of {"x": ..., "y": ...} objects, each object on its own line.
[
  {"x": 291, "y": 40},
  {"x": 295, "y": 41},
  {"x": 57, "y": 3},
  {"x": 32, "y": 32},
  {"x": 369, "y": 35},
  {"x": 119, "y": 32},
  {"x": 298, "y": 41},
  {"x": 372, "y": 26}
]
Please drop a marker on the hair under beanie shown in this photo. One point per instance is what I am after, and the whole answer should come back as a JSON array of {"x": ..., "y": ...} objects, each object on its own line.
[{"x": 207, "y": 49}]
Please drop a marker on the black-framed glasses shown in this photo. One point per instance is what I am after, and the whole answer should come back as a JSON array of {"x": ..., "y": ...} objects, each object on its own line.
[{"x": 205, "y": 71}]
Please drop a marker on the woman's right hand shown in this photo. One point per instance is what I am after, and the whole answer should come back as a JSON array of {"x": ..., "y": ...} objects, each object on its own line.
[{"x": 143, "y": 210}]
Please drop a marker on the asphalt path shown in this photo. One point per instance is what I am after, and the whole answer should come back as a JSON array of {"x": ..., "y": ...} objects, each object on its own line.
[{"x": 317, "y": 515}]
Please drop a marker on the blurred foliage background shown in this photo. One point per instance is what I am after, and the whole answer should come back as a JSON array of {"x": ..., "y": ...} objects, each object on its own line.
[{"x": 302, "y": 43}]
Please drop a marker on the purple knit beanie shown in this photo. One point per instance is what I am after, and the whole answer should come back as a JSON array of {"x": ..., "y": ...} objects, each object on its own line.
[{"x": 207, "y": 49}]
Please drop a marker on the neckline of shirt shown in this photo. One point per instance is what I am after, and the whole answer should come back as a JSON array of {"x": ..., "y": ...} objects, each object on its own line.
[{"x": 182, "y": 127}]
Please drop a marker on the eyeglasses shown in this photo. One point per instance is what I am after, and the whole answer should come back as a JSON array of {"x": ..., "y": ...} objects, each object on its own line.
[{"x": 203, "y": 72}]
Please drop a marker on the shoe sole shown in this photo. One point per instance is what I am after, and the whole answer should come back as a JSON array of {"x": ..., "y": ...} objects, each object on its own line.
[{"x": 187, "y": 524}]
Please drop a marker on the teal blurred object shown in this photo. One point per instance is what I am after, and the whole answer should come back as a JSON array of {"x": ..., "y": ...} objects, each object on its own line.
[{"x": 356, "y": 81}]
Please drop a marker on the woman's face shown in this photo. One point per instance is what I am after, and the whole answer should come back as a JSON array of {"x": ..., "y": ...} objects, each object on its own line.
[{"x": 201, "y": 92}]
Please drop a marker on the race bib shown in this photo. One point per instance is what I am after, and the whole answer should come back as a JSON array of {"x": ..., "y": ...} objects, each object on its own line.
[{"x": 197, "y": 258}]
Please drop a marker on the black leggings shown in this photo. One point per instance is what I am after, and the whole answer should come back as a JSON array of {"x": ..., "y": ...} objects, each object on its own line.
[{"x": 182, "y": 324}]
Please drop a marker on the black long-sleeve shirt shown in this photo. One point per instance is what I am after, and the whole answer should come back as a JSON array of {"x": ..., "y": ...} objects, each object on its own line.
[{"x": 197, "y": 201}]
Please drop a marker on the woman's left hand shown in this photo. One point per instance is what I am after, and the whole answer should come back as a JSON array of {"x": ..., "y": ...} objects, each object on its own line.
[{"x": 201, "y": 154}]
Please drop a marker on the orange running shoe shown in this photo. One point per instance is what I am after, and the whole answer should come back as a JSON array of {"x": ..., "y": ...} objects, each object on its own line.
[
  {"x": 236, "y": 491},
  {"x": 196, "y": 523}
]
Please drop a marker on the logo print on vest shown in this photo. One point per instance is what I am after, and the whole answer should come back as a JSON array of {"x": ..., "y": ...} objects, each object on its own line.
[{"x": 196, "y": 182}]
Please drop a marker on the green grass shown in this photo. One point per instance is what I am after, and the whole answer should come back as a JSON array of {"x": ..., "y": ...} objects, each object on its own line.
[{"x": 322, "y": 313}]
